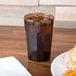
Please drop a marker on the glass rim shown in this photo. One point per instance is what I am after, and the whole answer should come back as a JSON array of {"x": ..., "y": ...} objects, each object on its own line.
[{"x": 26, "y": 17}]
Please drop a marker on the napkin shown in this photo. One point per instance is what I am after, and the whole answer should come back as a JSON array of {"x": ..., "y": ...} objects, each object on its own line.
[{"x": 10, "y": 66}]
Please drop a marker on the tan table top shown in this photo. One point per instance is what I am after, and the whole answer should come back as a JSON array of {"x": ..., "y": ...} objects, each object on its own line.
[{"x": 13, "y": 43}]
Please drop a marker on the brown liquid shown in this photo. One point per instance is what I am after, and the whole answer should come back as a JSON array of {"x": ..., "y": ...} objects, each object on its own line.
[{"x": 39, "y": 37}]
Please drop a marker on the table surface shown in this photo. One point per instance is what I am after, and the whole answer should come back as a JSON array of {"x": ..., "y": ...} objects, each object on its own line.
[{"x": 13, "y": 43}]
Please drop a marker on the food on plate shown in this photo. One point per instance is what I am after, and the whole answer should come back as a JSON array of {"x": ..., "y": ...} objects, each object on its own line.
[
  {"x": 73, "y": 55},
  {"x": 70, "y": 58},
  {"x": 70, "y": 62},
  {"x": 70, "y": 72}
]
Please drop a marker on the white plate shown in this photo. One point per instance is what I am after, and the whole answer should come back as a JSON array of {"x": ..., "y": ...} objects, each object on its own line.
[{"x": 58, "y": 66}]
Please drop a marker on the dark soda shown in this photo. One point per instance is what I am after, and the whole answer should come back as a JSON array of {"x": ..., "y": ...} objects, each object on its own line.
[{"x": 39, "y": 28}]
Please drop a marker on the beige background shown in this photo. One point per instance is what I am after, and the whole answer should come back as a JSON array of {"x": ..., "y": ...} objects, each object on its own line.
[
  {"x": 19, "y": 2},
  {"x": 57, "y": 2},
  {"x": 64, "y": 11},
  {"x": 14, "y": 15}
]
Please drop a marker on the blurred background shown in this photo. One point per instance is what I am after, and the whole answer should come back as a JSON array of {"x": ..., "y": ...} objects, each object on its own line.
[{"x": 12, "y": 11}]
